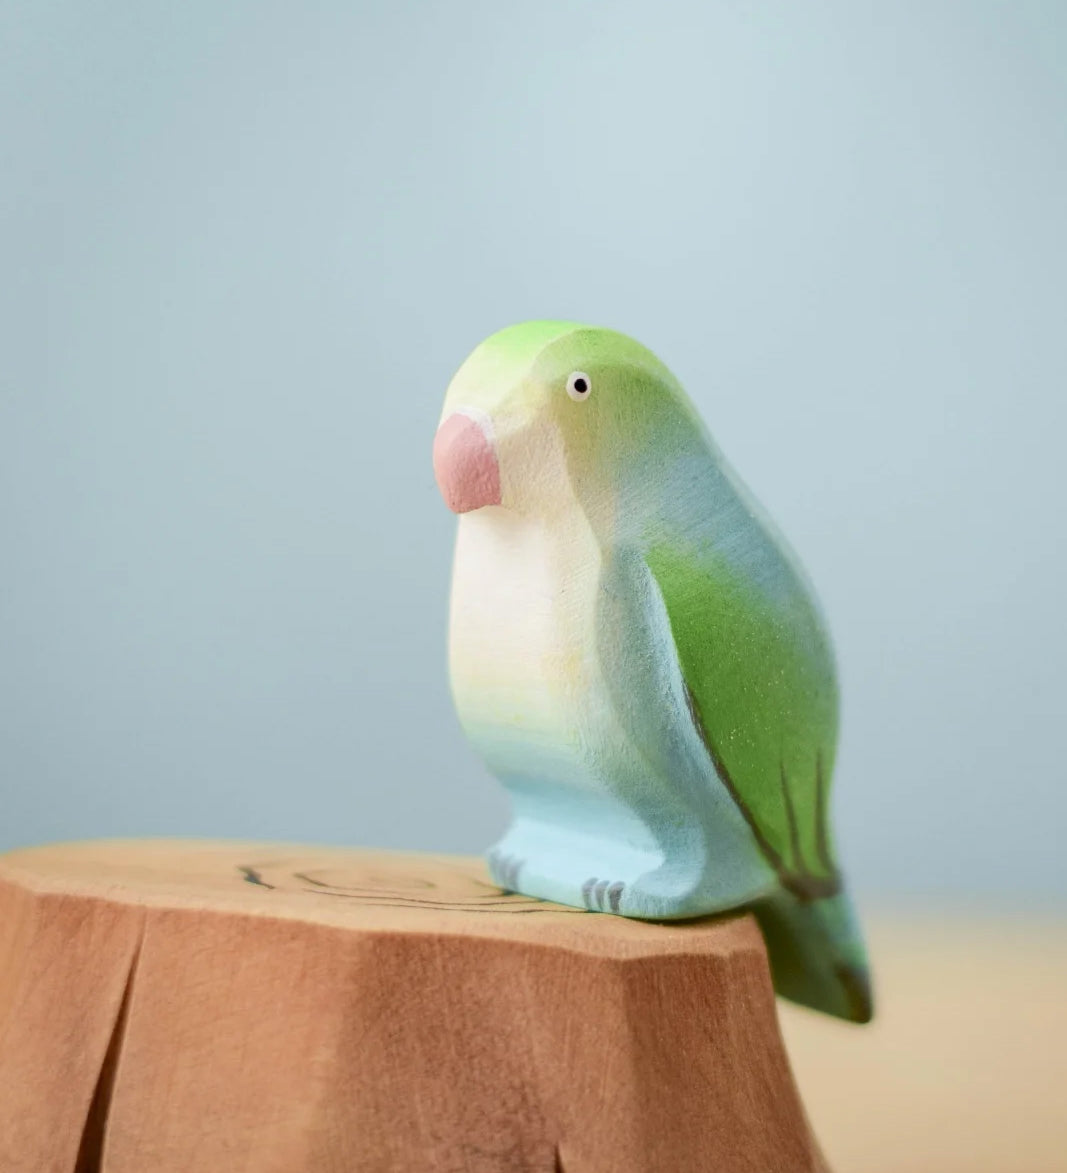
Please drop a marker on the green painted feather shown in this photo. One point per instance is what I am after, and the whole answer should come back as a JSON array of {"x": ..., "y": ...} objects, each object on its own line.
[{"x": 761, "y": 686}]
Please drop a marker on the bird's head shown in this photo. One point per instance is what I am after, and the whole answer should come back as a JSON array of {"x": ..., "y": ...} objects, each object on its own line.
[{"x": 546, "y": 414}]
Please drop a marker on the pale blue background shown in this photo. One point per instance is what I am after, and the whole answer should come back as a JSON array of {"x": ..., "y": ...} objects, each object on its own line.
[{"x": 244, "y": 247}]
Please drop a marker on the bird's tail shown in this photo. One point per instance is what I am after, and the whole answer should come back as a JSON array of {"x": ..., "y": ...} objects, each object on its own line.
[{"x": 817, "y": 954}]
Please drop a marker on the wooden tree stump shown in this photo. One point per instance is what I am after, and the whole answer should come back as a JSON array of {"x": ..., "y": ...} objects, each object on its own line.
[{"x": 188, "y": 1007}]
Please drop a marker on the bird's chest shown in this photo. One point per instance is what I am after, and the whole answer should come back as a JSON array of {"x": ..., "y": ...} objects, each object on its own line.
[{"x": 523, "y": 625}]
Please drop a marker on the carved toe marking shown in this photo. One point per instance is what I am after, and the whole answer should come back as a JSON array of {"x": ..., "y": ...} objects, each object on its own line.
[
  {"x": 602, "y": 894},
  {"x": 505, "y": 870}
]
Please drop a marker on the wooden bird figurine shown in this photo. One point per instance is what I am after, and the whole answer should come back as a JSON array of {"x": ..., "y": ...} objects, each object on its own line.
[{"x": 637, "y": 656}]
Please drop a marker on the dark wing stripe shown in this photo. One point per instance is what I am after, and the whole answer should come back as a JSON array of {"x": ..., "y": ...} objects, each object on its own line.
[
  {"x": 764, "y": 843},
  {"x": 791, "y": 817}
]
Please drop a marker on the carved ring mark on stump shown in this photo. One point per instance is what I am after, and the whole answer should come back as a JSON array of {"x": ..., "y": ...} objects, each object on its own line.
[{"x": 386, "y": 887}]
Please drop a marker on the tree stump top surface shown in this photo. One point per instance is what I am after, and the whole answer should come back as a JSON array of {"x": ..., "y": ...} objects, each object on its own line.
[{"x": 354, "y": 889}]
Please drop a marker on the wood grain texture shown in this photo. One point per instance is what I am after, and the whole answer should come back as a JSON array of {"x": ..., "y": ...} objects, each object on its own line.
[{"x": 182, "y": 1006}]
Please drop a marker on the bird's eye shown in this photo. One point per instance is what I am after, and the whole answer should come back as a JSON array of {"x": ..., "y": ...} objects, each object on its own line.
[{"x": 579, "y": 386}]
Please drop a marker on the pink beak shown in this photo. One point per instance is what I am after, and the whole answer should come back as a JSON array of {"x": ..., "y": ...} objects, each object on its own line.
[{"x": 465, "y": 465}]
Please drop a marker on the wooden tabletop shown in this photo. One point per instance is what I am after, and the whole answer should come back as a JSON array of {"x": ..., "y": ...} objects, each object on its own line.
[{"x": 964, "y": 1069}]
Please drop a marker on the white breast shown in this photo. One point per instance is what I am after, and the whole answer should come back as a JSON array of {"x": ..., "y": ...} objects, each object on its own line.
[{"x": 522, "y": 623}]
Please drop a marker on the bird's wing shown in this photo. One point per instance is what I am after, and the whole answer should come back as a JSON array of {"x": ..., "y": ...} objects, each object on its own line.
[{"x": 760, "y": 682}]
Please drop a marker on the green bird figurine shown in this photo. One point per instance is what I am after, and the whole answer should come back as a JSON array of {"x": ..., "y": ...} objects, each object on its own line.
[{"x": 638, "y": 657}]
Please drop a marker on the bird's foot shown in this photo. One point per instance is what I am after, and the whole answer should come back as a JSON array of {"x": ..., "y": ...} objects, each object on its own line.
[
  {"x": 602, "y": 895},
  {"x": 505, "y": 869}
]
